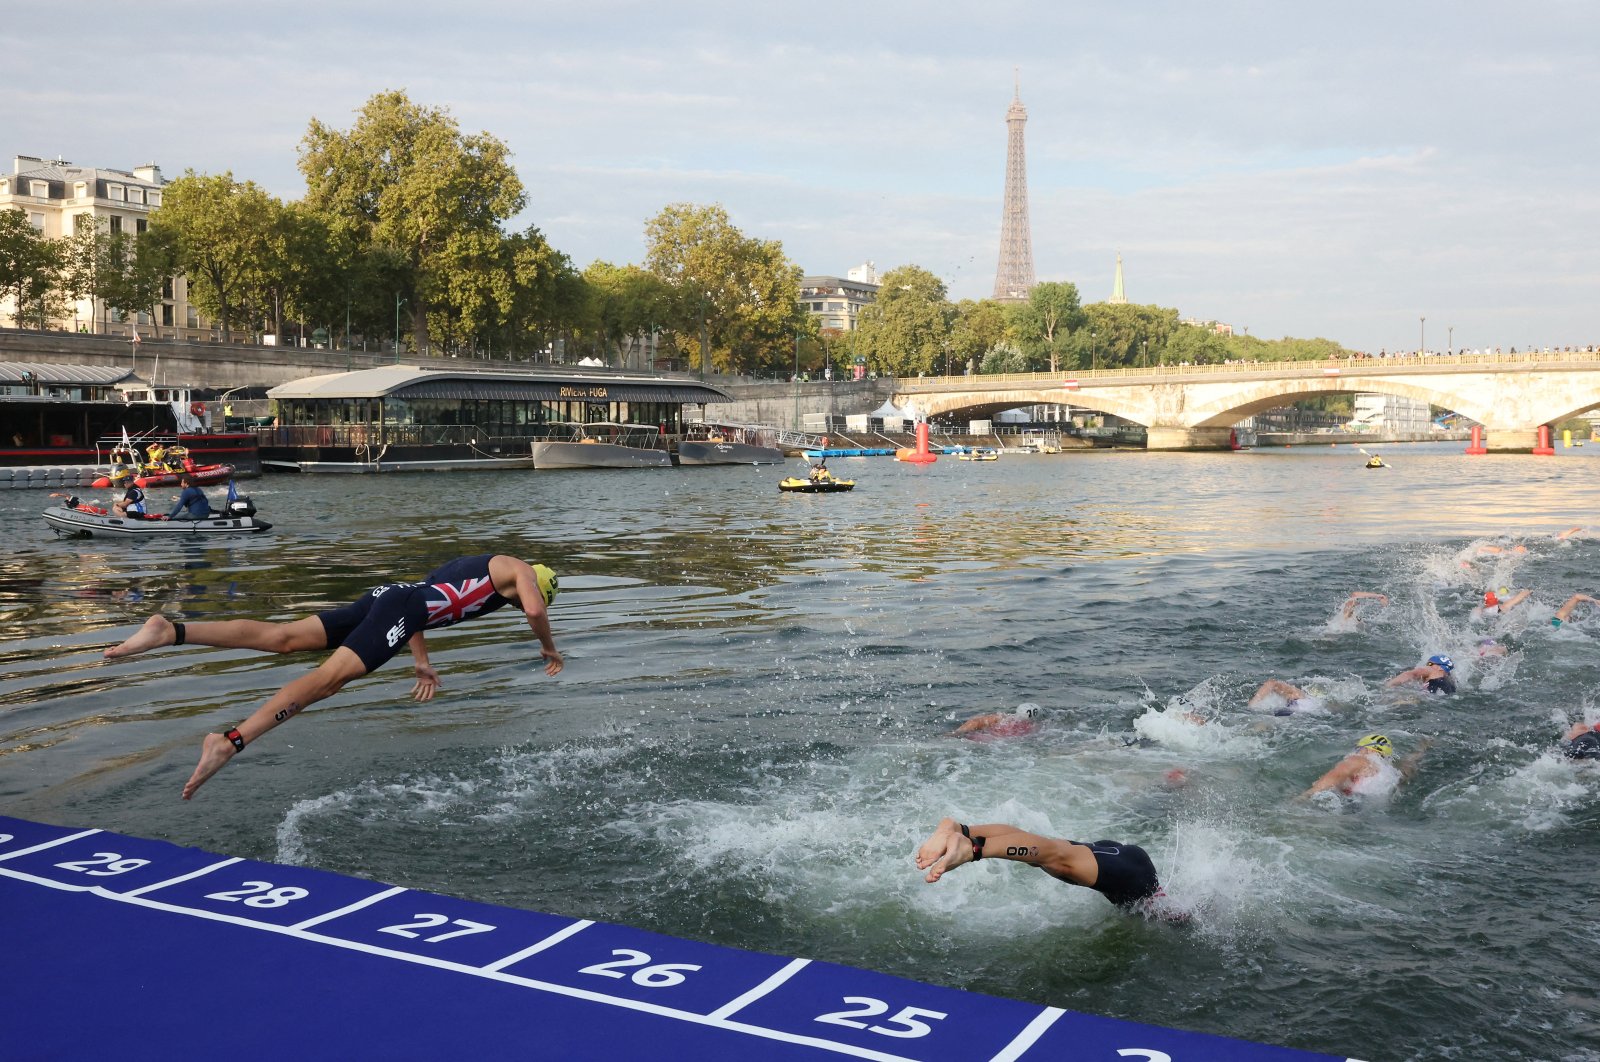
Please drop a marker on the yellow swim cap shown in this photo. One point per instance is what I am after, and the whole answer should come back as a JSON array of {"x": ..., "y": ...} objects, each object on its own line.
[
  {"x": 548, "y": 585},
  {"x": 1377, "y": 743}
]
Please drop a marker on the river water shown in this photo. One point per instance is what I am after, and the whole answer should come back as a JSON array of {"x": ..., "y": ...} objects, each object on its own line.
[{"x": 747, "y": 744}]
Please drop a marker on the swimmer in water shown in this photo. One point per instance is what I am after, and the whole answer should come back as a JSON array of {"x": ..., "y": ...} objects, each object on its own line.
[
  {"x": 1295, "y": 699},
  {"x": 1564, "y": 613},
  {"x": 1582, "y": 742},
  {"x": 1019, "y": 721},
  {"x": 1357, "y": 597},
  {"x": 1494, "y": 605},
  {"x": 1435, "y": 675},
  {"x": 1368, "y": 764},
  {"x": 1503, "y": 549},
  {"x": 1122, "y": 873},
  {"x": 1490, "y": 647},
  {"x": 1568, "y": 533}
]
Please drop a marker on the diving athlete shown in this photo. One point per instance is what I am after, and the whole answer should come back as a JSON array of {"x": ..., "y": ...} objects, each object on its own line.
[
  {"x": 1122, "y": 873},
  {"x": 363, "y": 635}
]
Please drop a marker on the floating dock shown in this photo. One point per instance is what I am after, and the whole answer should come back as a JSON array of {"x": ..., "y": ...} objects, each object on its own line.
[{"x": 141, "y": 949}]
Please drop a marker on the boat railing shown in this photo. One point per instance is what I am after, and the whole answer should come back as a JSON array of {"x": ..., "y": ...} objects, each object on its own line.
[
  {"x": 634, "y": 436},
  {"x": 357, "y": 436}
]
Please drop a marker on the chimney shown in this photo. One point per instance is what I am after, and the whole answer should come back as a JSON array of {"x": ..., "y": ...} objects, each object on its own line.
[{"x": 149, "y": 172}]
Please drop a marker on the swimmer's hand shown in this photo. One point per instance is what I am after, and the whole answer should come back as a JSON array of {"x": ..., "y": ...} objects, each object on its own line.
[
  {"x": 427, "y": 683},
  {"x": 553, "y": 661}
]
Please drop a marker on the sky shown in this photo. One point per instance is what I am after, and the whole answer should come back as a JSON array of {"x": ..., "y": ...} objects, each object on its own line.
[{"x": 1381, "y": 174}]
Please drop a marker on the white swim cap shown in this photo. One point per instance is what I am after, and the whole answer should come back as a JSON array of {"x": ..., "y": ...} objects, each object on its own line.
[{"x": 1028, "y": 710}]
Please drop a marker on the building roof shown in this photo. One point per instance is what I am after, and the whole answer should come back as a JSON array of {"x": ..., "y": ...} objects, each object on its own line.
[
  {"x": 409, "y": 381},
  {"x": 61, "y": 375}
]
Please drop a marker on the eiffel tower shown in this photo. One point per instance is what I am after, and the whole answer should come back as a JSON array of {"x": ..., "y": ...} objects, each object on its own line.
[{"x": 1015, "y": 274}]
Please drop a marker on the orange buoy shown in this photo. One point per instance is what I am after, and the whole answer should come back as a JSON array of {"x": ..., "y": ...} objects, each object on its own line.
[{"x": 919, "y": 456}]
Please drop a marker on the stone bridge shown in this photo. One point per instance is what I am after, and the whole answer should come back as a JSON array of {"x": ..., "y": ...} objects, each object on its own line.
[{"x": 1193, "y": 407}]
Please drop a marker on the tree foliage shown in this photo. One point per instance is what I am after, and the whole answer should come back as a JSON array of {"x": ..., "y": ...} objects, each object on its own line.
[
  {"x": 406, "y": 179},
  {"x": 220, "y": 231},
  {"x": 741, "y": 294},
  {"x": 1044, "y": 322},
  {"x": 31, "y": 269},
  {"x": 976, "y": 328},
  {"x": 903, "y": 332}
]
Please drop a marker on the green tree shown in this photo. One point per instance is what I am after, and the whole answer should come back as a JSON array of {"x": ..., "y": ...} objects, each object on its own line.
[
  {"x": 1195, "y": 346},
  {"x": 1043, "y": 323},
  {"x": 88, "y": 255},
  {"x": 1123, "y": 334},
  {"x": 1006, "y": 356},
  {"x": 31, "y": 270},
  {"x": 547, "y": 294},
  {"x": 405, "y": 178},
  {"x": 977, "y": 327},
  {"x": 221, "y": 232},
  {"x": 735, "y": 295},
  {"x": 136, "y": 271},
  {"x": 904, "y": 330}
]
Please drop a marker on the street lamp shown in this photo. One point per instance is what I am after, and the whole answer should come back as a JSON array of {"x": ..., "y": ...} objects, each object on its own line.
[
  {"x": 1423, "y": 340},
  {"x": 705, "y": 344},
  {"x": 398, "y": 302},
  {"x": 1094, "y": 349},
  {"x": 1450, "y": 339}
]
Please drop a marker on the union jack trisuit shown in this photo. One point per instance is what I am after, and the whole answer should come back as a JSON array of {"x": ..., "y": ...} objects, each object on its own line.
[{"x": 379, "y": 622}]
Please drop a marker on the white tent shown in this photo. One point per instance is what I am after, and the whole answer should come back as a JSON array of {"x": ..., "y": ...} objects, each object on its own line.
[{"x": 888, "y": 411}]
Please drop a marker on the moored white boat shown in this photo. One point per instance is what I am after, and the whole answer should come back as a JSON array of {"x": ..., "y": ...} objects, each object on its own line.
[{"x": 603, "y": 445}]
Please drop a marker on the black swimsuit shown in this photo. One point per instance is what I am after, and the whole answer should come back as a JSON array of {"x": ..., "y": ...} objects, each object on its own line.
[
  {"x": 1126, "y": 874},
  {"x": 375, "y": 625}
]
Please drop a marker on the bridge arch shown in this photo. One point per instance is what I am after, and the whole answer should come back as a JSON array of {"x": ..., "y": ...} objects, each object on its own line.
[
  {"x": 934, "y": 405},
  {"x": 1270, "y": 394}
]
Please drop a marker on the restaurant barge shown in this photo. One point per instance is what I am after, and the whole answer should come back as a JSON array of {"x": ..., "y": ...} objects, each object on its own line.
[{"x": 409, "y": 418}]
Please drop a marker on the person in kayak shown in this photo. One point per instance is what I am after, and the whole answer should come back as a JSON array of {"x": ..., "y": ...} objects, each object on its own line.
[{"x": 364, "y": 635}]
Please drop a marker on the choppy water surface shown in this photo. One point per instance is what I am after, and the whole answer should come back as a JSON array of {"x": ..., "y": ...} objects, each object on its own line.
[{"x": 746, "y": 746}]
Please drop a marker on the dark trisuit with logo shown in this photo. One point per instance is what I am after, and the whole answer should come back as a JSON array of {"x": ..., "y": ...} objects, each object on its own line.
[
  {"x": 375, "y": 625},
  {"x": 1126, "y": 876}
]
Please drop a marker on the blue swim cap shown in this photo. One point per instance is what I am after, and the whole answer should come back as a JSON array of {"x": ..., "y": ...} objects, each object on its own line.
[{"x": 1443, "y": 661}]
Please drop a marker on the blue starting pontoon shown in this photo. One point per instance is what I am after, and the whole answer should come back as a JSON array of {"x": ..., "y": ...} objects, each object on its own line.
[{"x": 137, "y": 949}]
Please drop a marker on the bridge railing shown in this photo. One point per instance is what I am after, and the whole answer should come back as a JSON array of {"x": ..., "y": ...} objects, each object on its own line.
[{"x": 1405, "y": 363}]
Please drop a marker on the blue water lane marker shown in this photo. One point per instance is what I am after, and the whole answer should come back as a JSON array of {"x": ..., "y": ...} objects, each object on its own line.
[{"x": 116, "y": 940}]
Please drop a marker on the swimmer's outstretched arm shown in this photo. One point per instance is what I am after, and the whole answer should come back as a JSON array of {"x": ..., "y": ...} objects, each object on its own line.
[
  {"x": 949, "y": 848},
  {"x": 1408, "y": 766},
  {"x": 1569, "y": 532},
  {"x": 1275, "y": 686},
  {"x": 1564, "y": 613},
  {"x": 1578, "y": 730},
  {"x": 1357, "y": 596},
  {"x": 1416, "y": 674},
  {"x": 1341, "y": 774},
  {"x": 978, "y": 722},
  {"x": 427, "y": 678},
  {"x": 531, "y": 601},
  {"x": 1516, "y": 599}
]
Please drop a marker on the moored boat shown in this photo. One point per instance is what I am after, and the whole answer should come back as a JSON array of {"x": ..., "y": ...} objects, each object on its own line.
[
  {"x": 731, "y": 444},
  {"x": 602, "y": 445}
]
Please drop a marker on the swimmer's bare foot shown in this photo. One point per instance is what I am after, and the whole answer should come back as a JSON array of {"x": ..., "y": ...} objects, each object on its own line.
[
  {"x": 215, "y": 751},
  {"x": 945, "y": 850},
  {"x": 156, "y": 632}
]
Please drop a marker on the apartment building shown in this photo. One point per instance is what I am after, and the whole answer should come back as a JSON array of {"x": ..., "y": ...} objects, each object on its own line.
[{"x": 59, "y": 198}]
